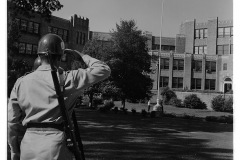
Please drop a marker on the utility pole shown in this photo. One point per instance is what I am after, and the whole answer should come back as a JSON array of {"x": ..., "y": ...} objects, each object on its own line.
[{"x": 157, "y": 107}]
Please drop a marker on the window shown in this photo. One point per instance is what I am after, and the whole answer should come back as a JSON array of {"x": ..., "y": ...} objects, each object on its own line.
[
  {"x": 23, "y": 25},
  {"x": 210, "y": 66},
  {"x": 163, "y": 81},
  {"x": 54, "y": 30},
  {"x": 80, "y": 37},
  {"x": 21, "y": 47},
  {"x": 210, "y": 84},
  {"x": 196, "y": 83},
  {"x": 197, "y": 34},
  {"x": 200, "y": 49},
  {"x": 29, "y": 49},
  {"x": 34, "y": 51},
  {"x": 177, "y": 82},
  {"x": 178, "y": 64},
  {"x": 77, "y": 38},
  {"x": 223, "y": 49},
  {"x": 83, "y": 38},
  {"x": 225, "y": 66},
  {"x": 59, "y": 31},
  {"x": 65, "y": 35},
  {"x": 36, "y": 28},
  {"x": 164, "y": 63},
  {"x": 196, "y": 50},
  {"x": 197, "y": 66},
  {"x": 49, "y": 29},
  {"x": 205, "y": 33},
  {"x": 225, "y": 32},
  {"x": 30, "y": 27},
  {"x": 201, "y": 33}
]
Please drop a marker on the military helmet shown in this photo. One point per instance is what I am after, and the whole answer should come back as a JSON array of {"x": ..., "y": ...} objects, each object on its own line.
[{"x": 51, "y": 43}]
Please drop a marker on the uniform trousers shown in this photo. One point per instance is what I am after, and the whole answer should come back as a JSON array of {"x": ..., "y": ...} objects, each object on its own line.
[{"x": 44, "y": 144}]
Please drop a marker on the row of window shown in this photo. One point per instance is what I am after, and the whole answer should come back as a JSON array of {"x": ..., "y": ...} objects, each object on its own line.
[
  {"x": 221, "y": 49},
  {"x": 196, "y": 83},
  {"x": 27, "y": 48},
  {"x": 63, "y": 33},
  {"x": 28, "y": 26},
  {"x": 201, "y": 33},
  {"x": 200, "y": 49},
  {"x": 222, "y": 32},
  {"x": 178, "y": 64},
  {"x": 225, "y": 32},
  {"x": 80, "y": 39},
  {"x": 224, "y": 49},
  {"x": 210, "y": 66}
]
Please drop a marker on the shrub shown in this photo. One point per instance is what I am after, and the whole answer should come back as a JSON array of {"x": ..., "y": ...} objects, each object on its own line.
[
  {"x": 133, "y": 111},
  {"x": 97, "y": 101},
  {"x": 144, "y": 113},
  {"x": 124, "y": 110},
  {"x": 193, "y": 102},
  {"x": 221, "y": 119},
  {"x": 170, "y": 115},
  {"x": 219, "y": 103},
  {"x": 167, "y": 94},
  {"x": 115, "y": 110},
  {"x": 107, "y": 106},
  {"x": 176, "y": 102},
  {"x": 228, "y": 105}
]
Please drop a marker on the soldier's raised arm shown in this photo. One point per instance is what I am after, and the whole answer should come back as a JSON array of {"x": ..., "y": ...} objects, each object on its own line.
[{"x": 96, "y": 71}]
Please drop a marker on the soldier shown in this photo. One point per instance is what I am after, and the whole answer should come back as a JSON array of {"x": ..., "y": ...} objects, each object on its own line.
[{"x": 33, "y": 103}]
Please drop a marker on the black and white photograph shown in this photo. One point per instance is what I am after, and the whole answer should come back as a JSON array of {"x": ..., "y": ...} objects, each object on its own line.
[{"x": 120, "y": 80}]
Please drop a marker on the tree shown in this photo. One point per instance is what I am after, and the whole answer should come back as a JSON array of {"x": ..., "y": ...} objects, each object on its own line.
[
  {"x": 95, "y": 48},
  {"x": 28, "y": 7},
  {"x": 130, "y": 62}
]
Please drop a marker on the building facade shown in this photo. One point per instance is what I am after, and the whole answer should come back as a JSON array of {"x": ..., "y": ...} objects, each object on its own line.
[
  {"x": 74, "y": 33},
  {"x": 202, "y": 60}
]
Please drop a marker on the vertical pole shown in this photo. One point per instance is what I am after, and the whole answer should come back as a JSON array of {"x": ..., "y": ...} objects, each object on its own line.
[
  {"x": 159, "y": 57},
  {"x": 230, "y": 46}
]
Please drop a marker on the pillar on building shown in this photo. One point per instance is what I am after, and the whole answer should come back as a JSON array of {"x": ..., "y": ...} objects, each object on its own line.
[
  {"x": 218, "y": 69},
  {"x": 203, "y": 71},
  {"x": 170, "y": 70},
  {"x": 187, "y": 71}
]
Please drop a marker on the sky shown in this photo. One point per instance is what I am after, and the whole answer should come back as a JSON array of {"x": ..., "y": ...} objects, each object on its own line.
[{"x": 103, "y": 15}]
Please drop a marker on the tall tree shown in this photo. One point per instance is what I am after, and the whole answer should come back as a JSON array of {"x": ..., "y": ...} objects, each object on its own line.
[
  {"x": 100, "y": 50},
  {"x": 130, "y": 62}
]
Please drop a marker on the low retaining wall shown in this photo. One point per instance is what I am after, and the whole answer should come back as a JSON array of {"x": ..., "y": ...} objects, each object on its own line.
[{"x": 205, "y": 97}]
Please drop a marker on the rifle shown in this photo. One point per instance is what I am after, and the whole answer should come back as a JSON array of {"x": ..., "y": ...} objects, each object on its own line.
[{"x": 75, "y": 139}]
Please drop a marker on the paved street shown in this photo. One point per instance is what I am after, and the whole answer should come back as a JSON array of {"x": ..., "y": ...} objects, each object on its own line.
[{"x": 109, "y": 136}]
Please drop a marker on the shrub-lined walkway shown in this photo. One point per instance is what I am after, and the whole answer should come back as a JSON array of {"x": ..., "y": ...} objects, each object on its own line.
[
  {"x": 174, "y": 110},
  {"x": 109, "y": 136}
]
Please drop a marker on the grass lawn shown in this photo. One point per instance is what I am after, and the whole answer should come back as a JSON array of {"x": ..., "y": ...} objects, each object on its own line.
[
  {"x": 110, "y": 136},
  {"x": 173, "y": 110}
]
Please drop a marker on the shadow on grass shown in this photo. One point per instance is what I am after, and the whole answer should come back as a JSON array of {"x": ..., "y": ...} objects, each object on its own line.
[{"x": 109, "y": 136}]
